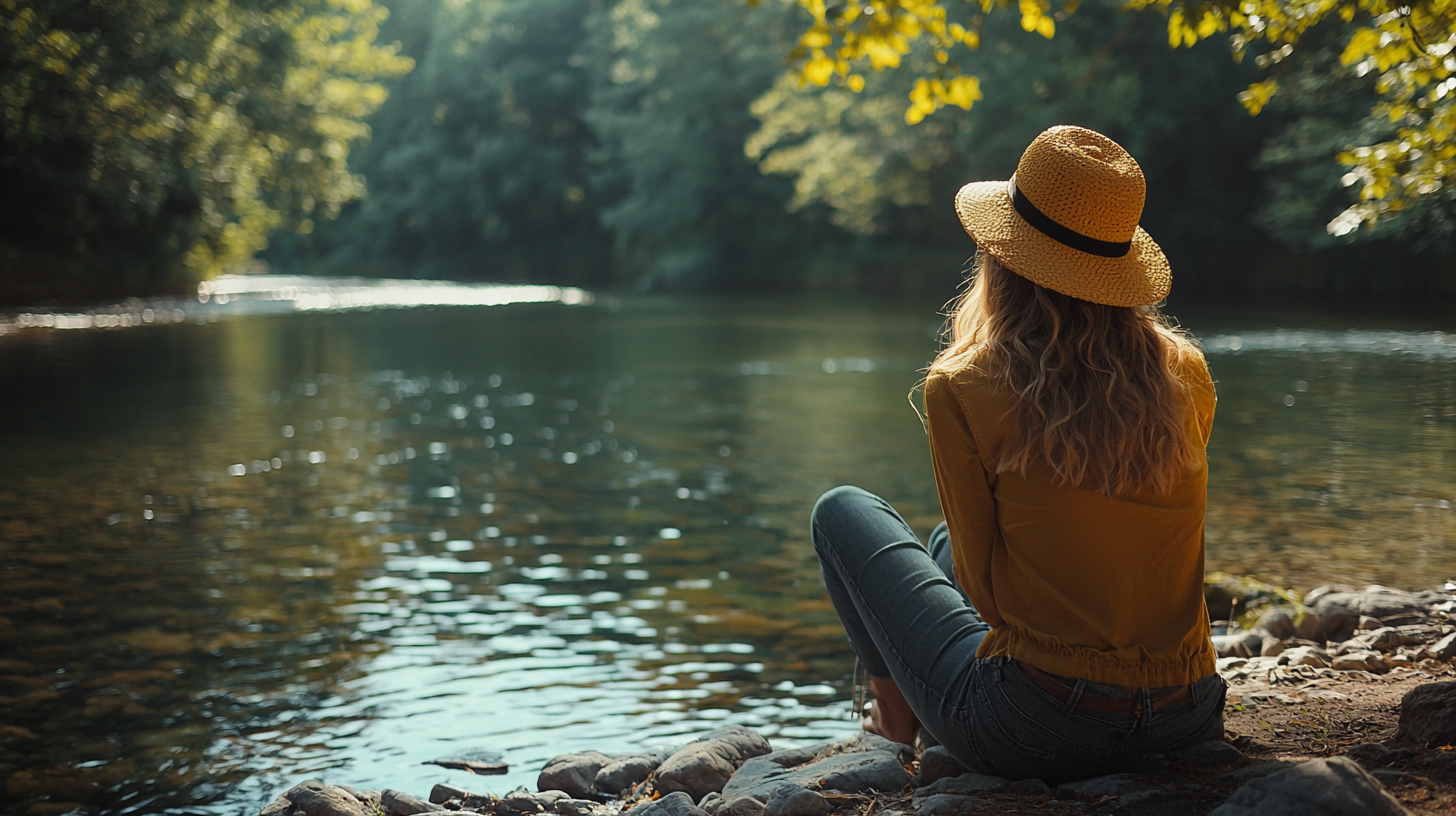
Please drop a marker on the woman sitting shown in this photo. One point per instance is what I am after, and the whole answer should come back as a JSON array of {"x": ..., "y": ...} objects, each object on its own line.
[{"x": 1056, "y": 626}]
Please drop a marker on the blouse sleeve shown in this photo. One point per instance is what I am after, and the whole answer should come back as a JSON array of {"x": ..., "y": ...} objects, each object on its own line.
[{"x": 965, "y": 494}]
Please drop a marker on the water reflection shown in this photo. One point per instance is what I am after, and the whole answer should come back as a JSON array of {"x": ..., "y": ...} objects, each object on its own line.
[{"x": 244, "y": 552}]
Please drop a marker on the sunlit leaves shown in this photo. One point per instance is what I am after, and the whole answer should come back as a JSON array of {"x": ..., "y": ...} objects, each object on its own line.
[
  {"x": 1408, "y": 45},
  {"x": 240, "y": 112},
  {"x": 880, "y": 34}
]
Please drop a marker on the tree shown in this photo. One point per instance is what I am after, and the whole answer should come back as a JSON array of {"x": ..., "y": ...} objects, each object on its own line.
[
  {"x": 148, "y": 143},
  {"x": 1408, "y": 45}
]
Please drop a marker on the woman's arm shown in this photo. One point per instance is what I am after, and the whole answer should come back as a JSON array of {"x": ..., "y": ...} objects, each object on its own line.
[{"x": 965, "y": 494}]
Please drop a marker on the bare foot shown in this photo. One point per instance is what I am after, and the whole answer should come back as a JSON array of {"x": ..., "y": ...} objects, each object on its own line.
[{"x": 889, "y": 714}]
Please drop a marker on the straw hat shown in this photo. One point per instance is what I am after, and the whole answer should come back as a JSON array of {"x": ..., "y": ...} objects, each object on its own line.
[{"x": 1068, "y": 220}]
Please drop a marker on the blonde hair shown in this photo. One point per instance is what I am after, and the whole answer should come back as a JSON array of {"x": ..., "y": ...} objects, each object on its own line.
[{"x": 1098, "y": 398}]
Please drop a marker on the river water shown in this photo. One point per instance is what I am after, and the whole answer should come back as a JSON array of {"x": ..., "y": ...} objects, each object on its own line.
[{"x": 240, "y": 548}]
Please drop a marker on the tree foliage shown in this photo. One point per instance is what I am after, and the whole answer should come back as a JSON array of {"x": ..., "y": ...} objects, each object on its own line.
[
  {"x": 146, "y": 142},
  {"x": 1407, "y": 45}
]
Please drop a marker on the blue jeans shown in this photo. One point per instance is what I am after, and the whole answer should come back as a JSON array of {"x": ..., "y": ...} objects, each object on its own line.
[{"x": 908, "y": 620}]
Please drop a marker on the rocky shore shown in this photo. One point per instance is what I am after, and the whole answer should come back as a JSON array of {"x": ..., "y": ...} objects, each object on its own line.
[{"x": 1336, "y": 706}]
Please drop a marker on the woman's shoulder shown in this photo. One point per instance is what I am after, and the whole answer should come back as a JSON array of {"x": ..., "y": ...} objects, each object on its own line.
[{"x": 974, "y": 368}]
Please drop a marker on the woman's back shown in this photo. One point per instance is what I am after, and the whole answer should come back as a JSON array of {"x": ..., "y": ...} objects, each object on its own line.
[{"x": 1073, "y": 580}]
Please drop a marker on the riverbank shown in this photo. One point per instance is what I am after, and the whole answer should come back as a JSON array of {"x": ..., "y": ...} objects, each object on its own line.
[{"x": 1343, "y": 699}]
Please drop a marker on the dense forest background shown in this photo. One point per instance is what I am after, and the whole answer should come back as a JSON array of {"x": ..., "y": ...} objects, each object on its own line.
[{"x": 647, "y": 143}]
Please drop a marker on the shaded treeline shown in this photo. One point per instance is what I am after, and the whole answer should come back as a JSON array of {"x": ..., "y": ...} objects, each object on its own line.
[
  {"x": 651, "y": 143},
  {"x": 656, "y": 143}
]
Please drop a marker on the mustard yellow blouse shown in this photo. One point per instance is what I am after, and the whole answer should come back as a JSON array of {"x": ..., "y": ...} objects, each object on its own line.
[{"x": 1107, "y": 588}]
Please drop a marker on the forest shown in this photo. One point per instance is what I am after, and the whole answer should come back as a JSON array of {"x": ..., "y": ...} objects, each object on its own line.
[{"x": 695, "y": 144}]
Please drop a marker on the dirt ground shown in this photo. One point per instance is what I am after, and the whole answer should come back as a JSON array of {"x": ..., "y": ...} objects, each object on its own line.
[{"x": 1291, "y": 718}]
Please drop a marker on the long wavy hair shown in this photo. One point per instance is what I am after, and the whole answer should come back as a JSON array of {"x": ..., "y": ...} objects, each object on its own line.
[{"x": 1098, "y": 398}]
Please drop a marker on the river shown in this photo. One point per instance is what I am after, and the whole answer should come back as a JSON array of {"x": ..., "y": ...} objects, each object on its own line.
[{"x": 242, "y": 547}]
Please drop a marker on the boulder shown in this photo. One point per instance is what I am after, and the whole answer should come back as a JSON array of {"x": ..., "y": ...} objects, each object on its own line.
[
  {"x": 965, "y": 784},
  {"x": 1305, "y": 656},
  {"x": 399, "y": 803},
  {"x": 1279, "y": 621},
  {"x": 1362, "y": 660},
  {"x": 1029, "y": 787},
  {"x": 1444, "y": 649},
  {"x": 1334, "y": 786},
  {"x": 862, "y": 762},
  {"x": 1428, "y": 715},
  {"x": 705, "y": 765},
  {"x": 575, "y": 774},
  {"x": 1338, "y": 612},
  {"x": 1099, "y": 786},
  {"x": 937, "y": 763},
  {"x": 442, "y": 793},
  {"x": 521, "y": 800},
  {"x": 792, "y": 800},
  {"x": 946, "y": 804},
  {"x": 1211, "y": 754},
  {"x": 676, "y": 803},
  {"x": 1239, "y": 644},
  {"x": 625, "y": 771},
  {"x": 314, "y": 798}
]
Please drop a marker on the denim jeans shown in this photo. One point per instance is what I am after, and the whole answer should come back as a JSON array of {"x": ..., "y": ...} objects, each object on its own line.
[{"x": 908, "y": 620}]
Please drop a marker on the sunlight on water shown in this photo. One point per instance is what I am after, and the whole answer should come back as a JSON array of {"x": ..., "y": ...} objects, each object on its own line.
[
  {"x": 238, "y": 295},
  {"x": 1423, "y": 345},
  {"x": 242, "y": 552}
]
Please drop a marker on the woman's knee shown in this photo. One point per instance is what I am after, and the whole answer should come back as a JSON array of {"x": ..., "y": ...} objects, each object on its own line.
[{"x": 835, "y": 504}]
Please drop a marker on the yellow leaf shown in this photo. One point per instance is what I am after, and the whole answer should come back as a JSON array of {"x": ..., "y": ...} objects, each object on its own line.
[
  {"x": 819, "y": 70},
  {"x": 816, "y": 38},
  {"x": 1046, "y": 27}
]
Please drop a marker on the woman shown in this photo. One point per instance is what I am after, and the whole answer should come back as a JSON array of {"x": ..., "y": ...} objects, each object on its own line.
[{"x": 1056, "y": 626}]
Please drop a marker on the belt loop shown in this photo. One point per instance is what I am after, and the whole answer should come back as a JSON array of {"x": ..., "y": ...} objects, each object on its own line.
[
  {"x": 1145, "y": 709},
  {"x": 1074, "y": 699}
]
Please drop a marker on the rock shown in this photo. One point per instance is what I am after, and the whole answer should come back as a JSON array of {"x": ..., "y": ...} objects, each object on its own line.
[
  {"x": 1363, "y": 660},
  {"x": 1428, "y": 715},
  {"x": 1029, "y": 787},
  {"x": 1339, "y": 612},
  {"x": 521, "y": 800},
  {"x": 1229, "y": 595},
  {"x": 1099, "y": 786},
  {"x": 862, "y": 762},
  {"x": 1444, "y": 649},
  {"x": 280, "y": 806},
  {"x": 573, "y": 773},
  {"x": 476, "y": 760},
  {"x": 442, "y": 793},
  {"x": 1313, "y": 596},
  {"x": 1305, "y": 656},
  {"x": 937, "y": 763},
  {"x": 625, "y": 771},
  {"x": 792, "y": 800},
  {"x": 676, "y": 803},
  {"x": 1214, "y": 753},
  {"x": 573, "y": 807},
  {"x": 398, "y": 803},
  {"x": 479, "y": 802},
  {"x": 945, "y": 804},
  {"x": 1369, "y": 753},
  {"x": 1279, "y": 621},
  {"x": 1238, "y": 644},
  {"x": 314, "y": 798},
  {"x": 1138, "y": 797},
  {"x": 1333, "y": 786},
  {"x": 1273, "y": 647},
  {"x": 965, "y": 783},
  {"x": 706, "y": 765},
  {"x": 1368, "y": 624},
  {"x": 1257, "y": 770}
]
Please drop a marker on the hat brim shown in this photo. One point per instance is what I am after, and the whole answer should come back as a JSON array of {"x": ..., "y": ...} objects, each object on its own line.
[{"x": 1140, "y": 277}]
